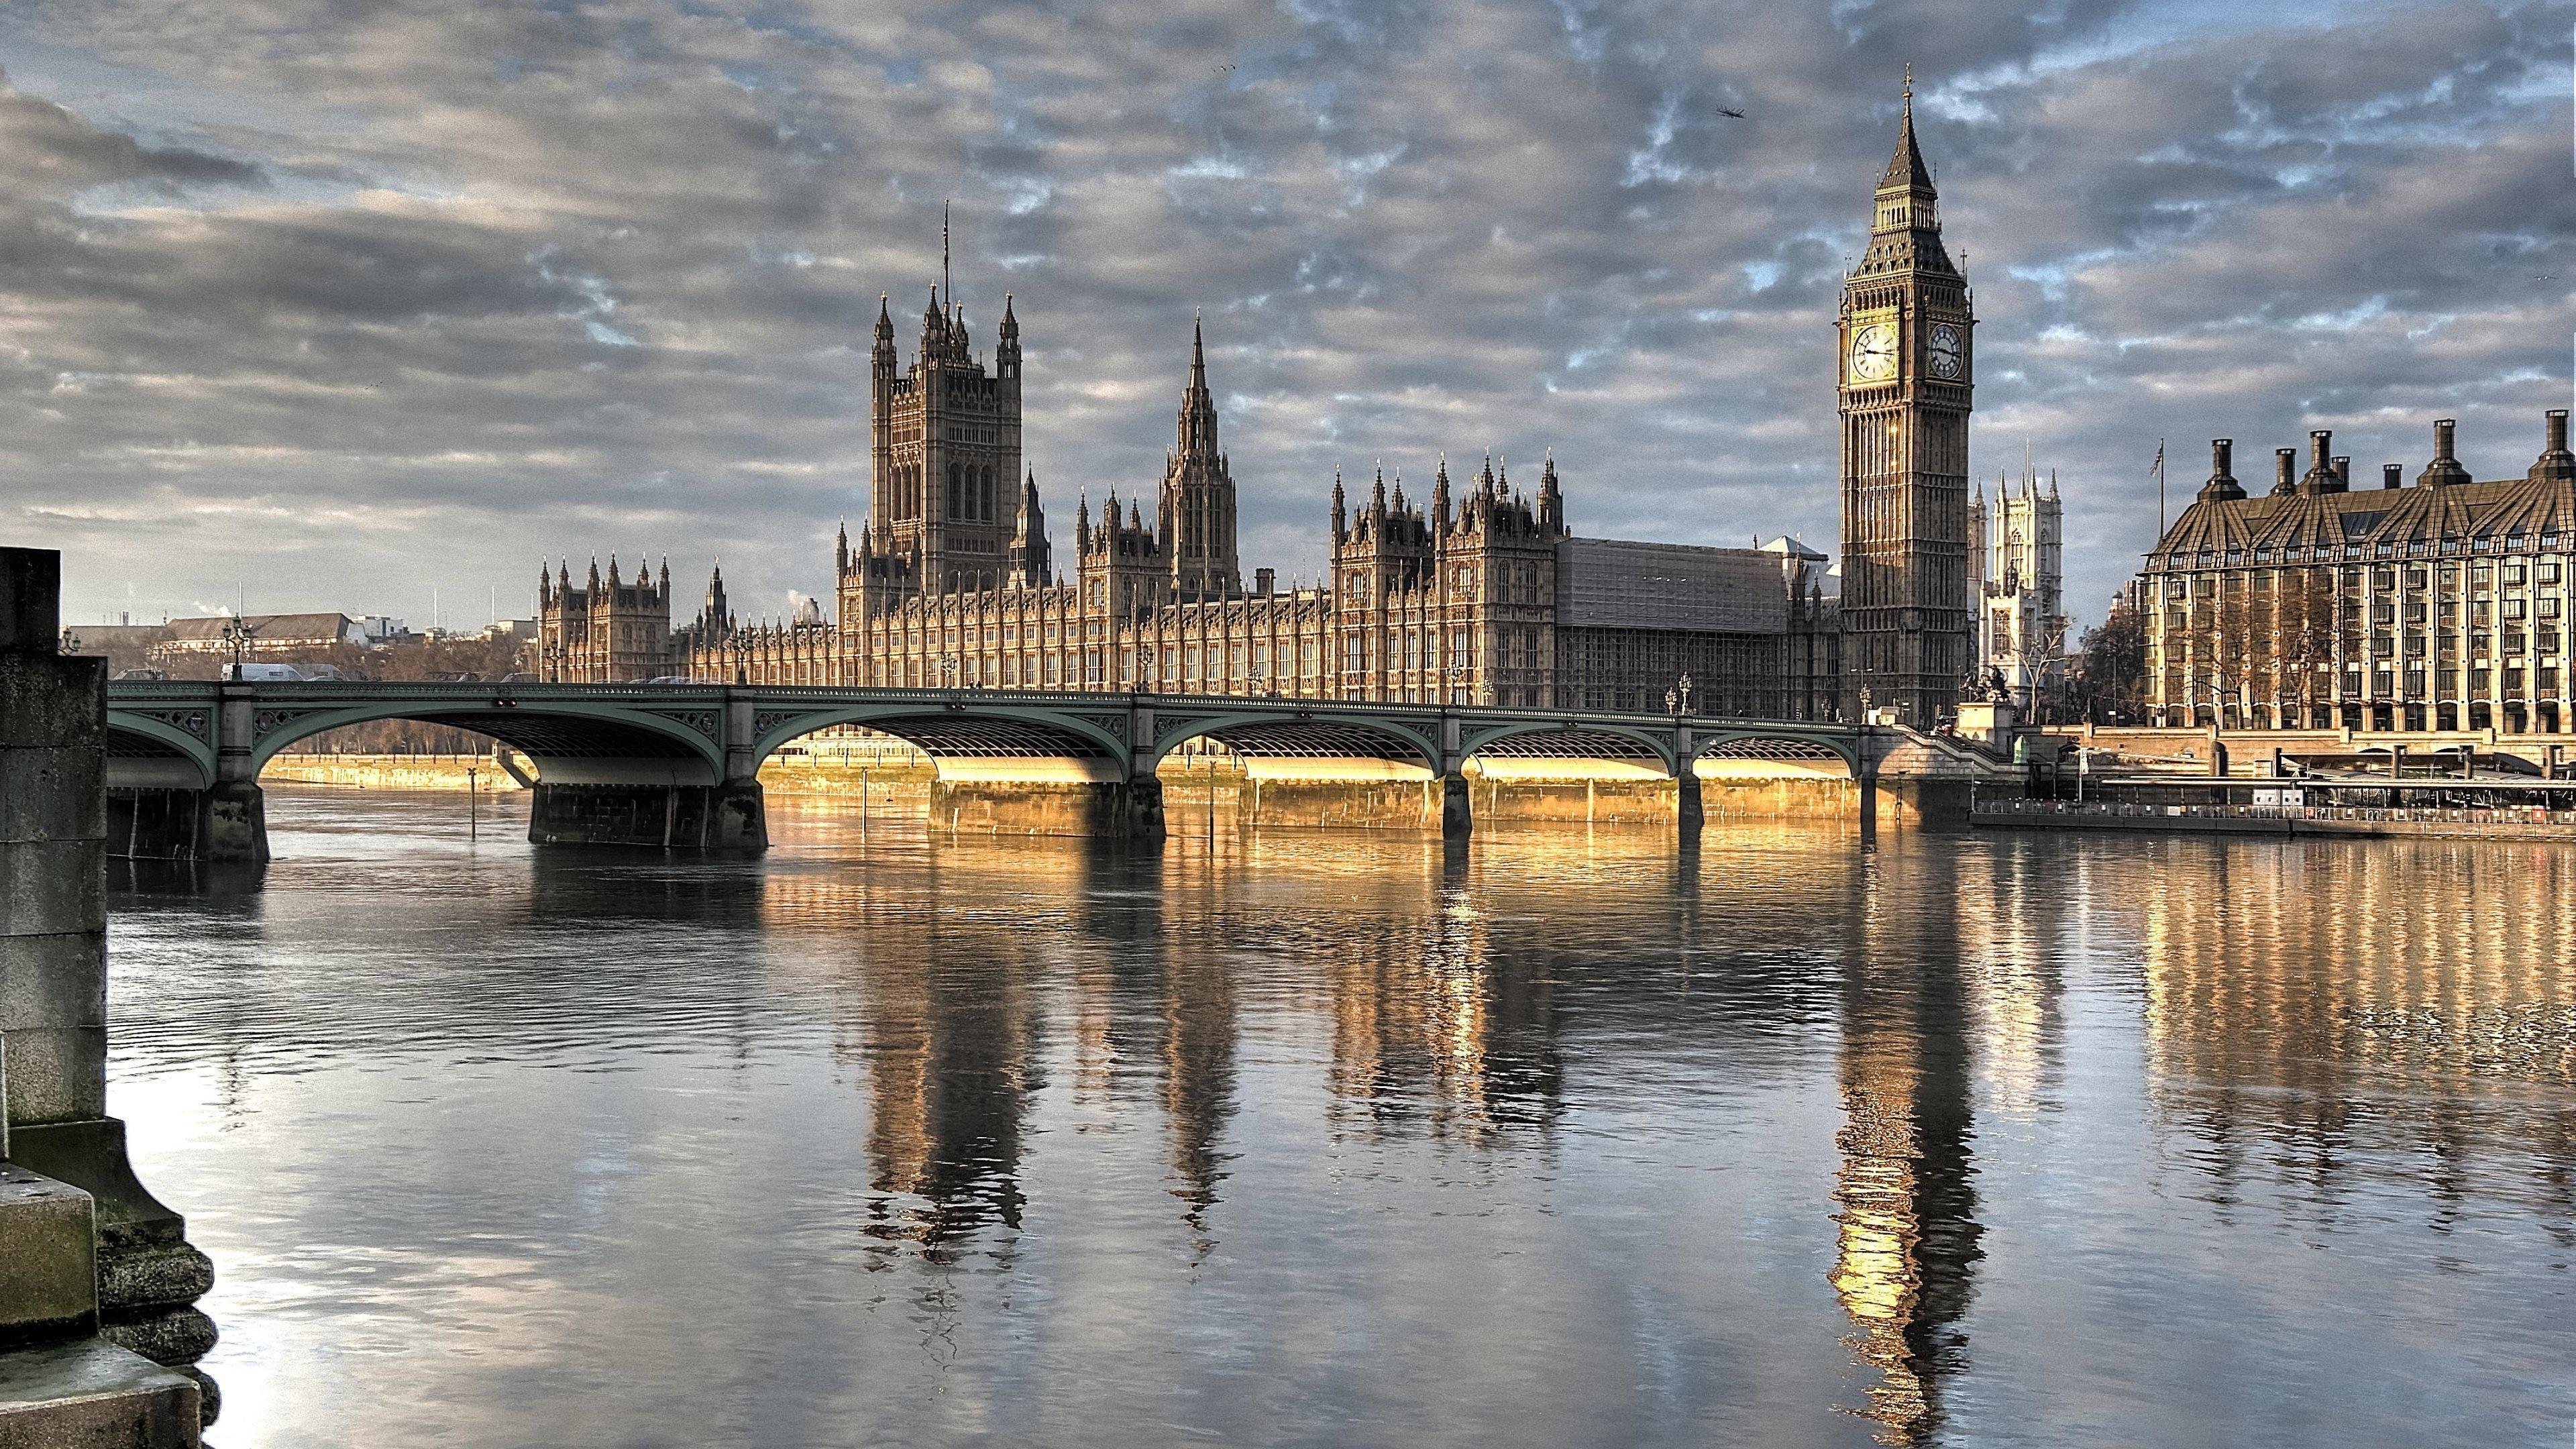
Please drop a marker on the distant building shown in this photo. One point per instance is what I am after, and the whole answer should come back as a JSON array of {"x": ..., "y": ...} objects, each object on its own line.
[
  {"x": 268, "y": 634},
  {"x": 2440, "y": 606},
  {"x": 2017, "y": 583}
]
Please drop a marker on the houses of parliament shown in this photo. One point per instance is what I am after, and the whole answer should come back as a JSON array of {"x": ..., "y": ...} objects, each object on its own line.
[{"x": 1475, "y": 592}]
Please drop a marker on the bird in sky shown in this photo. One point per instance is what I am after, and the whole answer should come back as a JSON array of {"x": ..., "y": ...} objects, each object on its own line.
[
  {"x": 1220, "y": 70},
  {"x": 1723, "y": 111}
]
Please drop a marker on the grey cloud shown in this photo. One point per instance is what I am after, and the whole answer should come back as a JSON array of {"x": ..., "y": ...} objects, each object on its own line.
[{"x": 376, "y": 329}]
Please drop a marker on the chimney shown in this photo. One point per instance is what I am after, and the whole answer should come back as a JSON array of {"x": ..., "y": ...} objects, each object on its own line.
[
  {"x": 1264, "y": 581},
  {"x": 2222, "y": 484},
  {"x": 2392, "y": 475},
  {"x": 2444, "y": 468},
  {"x": 2285, "y": 470},
  {"x": 2342, "y": 474},
  {"x": 2555, "y": 463}
]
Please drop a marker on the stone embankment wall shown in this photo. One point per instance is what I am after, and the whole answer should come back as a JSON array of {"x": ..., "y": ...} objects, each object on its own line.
[
  {"x": 389, "y": 772},
  {"x": 1392, "y": 798}
]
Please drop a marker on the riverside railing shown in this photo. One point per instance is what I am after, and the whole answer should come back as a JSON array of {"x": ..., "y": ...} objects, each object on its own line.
[{"x": 2378, "y": 814}]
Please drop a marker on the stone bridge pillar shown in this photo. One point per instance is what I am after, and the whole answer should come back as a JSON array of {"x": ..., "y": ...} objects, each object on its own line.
[
  {"x": 93, "y": 1270},
  {"x": 1457, "y": 816},
  {"x": 1141, "y": 796},
  {"x": 659, "y": 804},
  {"x": 1687, "y": 809},
  {"x": 223, "y": 822}
]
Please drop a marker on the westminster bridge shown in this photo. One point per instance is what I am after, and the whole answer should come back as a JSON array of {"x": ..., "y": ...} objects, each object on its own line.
[{"x": 677, "y": 765}]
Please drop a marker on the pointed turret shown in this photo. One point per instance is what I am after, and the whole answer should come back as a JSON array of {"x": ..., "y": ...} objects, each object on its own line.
[
  {"x": 1551, "y": 500},
  {"x": 1440, "y": 496},
  {"x": 1905, "y": 170},
  {"x": 1340, "y": 514},
  {"x": 1006, "y": 344},
  {"x": 1029, "y": 552},
  {"x": 1194, "y": 437},
  {"x": 1905, "y": 227}
]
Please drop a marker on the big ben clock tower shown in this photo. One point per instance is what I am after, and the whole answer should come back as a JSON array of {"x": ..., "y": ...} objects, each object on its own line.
[{"x": 1906, "y": 369}]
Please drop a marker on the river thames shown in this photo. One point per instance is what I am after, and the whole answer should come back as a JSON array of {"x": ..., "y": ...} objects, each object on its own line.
[{"x": 1566, "y": 1138}]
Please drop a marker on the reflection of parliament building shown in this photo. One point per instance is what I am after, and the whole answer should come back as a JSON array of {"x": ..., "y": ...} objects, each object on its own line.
[{"x": 1474, "y": 594}]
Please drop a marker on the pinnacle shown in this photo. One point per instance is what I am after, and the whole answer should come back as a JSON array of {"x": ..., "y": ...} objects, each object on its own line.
[{"x": 1905, "y": 169}]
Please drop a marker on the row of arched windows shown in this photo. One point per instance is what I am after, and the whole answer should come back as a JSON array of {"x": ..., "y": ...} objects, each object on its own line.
[{"x": 974, "y": 494}]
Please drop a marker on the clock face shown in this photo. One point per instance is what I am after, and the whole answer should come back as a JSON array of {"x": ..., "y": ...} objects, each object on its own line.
[
  {"x": 1945, "y": 350},
  {"x": 1873, "y": 353}
]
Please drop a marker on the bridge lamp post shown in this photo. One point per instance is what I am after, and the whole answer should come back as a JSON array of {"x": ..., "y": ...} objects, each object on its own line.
[
  {"x": 1685, "y": 688},
  {"x": 238, "y": 635},
  {"x": 948, "y": 671}
]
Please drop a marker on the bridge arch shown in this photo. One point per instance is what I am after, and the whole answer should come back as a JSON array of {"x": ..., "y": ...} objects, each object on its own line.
[
  {"x": 1568, "y": 739},
  {"x": 168, "y": 748},
  {"x": 568, "y": 739},
  {"x": 955, "y": 730},
  {"x": 1291, "y": 732},
  {"x": 1781, "y": 746}
]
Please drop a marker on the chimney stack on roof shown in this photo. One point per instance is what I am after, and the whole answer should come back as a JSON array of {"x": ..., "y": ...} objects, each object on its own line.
[
  {"x": 2222, "y": 485},
  {"x": 2445, "y": 468},
  {"x": 2285, "y": 470},
  {"x": 2555, "y": 462},
  {"x": 2392, "y": 475}
]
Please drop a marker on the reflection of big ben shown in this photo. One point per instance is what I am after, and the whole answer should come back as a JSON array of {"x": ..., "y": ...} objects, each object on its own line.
[{"x": 1905, "y": 401}]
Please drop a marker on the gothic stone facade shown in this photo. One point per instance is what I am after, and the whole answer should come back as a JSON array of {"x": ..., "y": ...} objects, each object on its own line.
[
  {"x": 2016, "y": 576},
  {"x": 1454, "y": 599},
  {"x": 1906, "y": 368},
  {"x": 2441, "y": 606},
  {"x": 1451, "y": 600}
]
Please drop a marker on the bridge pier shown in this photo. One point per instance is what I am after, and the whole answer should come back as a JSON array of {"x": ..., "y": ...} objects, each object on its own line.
[
  {"x": 982, "y": 803},
  {"x": 1689, "y": 812},
  {"x": 222, "y": 823},
  {"x": 730, "y": 818},
  {"x": 1457, "y": 814},
  {"x": 98, "y": 1282}
]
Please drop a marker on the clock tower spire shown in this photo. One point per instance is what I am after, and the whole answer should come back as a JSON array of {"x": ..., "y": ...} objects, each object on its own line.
[{"x": 1905, "y": 397}]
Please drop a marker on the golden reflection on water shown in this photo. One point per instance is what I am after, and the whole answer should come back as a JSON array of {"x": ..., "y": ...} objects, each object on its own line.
[
  {"x": 1907, "y": 1237},
  {"x": 2323, "y": 996},
  {"x": 2304, "y": 1004}
]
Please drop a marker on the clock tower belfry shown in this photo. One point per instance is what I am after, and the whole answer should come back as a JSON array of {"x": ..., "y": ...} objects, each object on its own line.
[{"x": 1906, "y": 365}]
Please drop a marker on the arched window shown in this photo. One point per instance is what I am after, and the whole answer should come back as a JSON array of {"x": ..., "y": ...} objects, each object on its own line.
[{"x": 953, "y": 500}]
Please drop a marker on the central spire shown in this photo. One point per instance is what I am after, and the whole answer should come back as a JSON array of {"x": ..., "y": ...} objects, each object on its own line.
[{"x": 1195, "y": 436}]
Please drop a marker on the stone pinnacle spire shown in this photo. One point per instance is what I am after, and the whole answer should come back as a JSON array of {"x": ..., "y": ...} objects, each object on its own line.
[
  {"x": 1195, "y": 436},
  {"x": 1905, "y": 169}
]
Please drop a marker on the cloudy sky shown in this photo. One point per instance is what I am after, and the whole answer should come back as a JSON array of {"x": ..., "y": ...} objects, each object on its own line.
[{"x": 325, "y": 304}]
